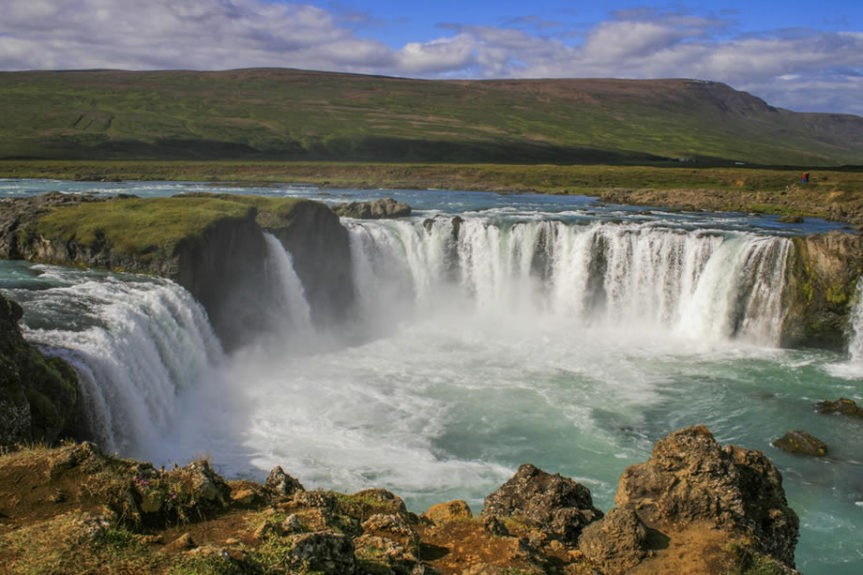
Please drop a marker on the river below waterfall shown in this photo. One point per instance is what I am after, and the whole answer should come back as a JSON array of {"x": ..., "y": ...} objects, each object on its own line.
[{"x": 544, "y": 329}]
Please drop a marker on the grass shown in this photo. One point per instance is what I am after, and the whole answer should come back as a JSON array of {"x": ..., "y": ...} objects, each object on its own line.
[
  {"x": 297, "y": 115},
  {"x": 143, "y": 227},
  {"x": 545, "y": 178}
]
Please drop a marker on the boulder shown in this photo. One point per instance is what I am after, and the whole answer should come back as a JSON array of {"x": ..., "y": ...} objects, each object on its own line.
[
  {"x": 615, "y": 543},
  {"x": 555, "y": 505},
  {"x": 282, "y": 484},
  {"x": 841, "y": 406},
  {"x": 802, "y": 442},
  {"x": 449, "y": 511},
  {"x": 330, "y": 553},
  {"x": 690, "y": 479},
  {"x": 374, "y": 210},
  {"x": 207, "y": 487}
]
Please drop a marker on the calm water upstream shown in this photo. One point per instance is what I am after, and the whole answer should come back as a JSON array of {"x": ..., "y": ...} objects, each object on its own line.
[{"x": 553, "y": 330}]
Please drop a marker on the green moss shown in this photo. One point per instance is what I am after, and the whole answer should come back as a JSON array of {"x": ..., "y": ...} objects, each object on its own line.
[
  {"x": 145, "y": 228},
  {"x": 136, "y": 226},
  {"x": 744, "y": 560}
]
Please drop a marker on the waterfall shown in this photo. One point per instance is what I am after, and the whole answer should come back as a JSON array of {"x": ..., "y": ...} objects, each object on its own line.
[
  {"x": 135, "y": 342},
  {"x": 706, "y": 284},
  {"x": 287, "y": 300},
  {"x": 855, "y": 321}
]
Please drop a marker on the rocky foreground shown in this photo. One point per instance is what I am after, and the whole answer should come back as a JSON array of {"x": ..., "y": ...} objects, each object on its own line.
[{"x": 693, "y": 507}]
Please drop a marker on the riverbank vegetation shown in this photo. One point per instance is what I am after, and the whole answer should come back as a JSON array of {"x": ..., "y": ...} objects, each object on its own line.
[{"x": 835, "y": 194}]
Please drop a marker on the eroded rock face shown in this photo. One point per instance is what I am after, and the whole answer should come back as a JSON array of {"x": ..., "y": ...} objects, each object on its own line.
[
  {"x": 823, "y": 274},
  {"x": 374, "y": 210},
  {"x": 38, "y": 395},
  {"x": 554, "y": 504},
  {"x": 689, "y": 478}
]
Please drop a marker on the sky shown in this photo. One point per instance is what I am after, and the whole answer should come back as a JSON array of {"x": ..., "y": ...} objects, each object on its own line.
[{"x": 804, "y": 55}]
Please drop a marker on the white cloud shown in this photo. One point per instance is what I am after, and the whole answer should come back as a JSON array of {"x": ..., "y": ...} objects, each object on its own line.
[{"x": 800, "y": 69}]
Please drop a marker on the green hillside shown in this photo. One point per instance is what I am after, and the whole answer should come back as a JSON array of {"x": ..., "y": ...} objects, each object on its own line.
[{"x": 295, "y": 115}]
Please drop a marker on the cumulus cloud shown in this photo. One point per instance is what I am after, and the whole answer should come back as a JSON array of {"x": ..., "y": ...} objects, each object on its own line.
[{"x": 801, "y": 69}]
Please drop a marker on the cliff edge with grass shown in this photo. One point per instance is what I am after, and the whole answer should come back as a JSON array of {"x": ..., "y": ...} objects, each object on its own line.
[{"x": 213, "y": 245}]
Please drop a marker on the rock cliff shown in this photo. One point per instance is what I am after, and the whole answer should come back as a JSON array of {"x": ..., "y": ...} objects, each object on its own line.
[
  {"x": 38, "y": 395},
  {"x": 211, "y": 244},
  {"x": 823, "y": 278}
]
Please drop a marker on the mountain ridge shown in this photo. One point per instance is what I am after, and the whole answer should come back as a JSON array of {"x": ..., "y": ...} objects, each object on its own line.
[{"x": 286, "y": 114}]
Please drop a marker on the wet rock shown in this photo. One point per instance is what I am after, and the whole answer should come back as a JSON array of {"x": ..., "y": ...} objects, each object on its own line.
[
  {"x": 615, "y": 543},
  {"x": 689, "y": 478},
  {"x": 374, "y": 210},
  {"x": 842, "y": 406},
  {"x": 449, "y": 511},
  {"x": 824, "y": 270},
  {"x": 556, "y": 505},
  {"x": 802, "y": 442},
  {"x": 281, "y": 483},
  {"x": 330, "y": 553}
]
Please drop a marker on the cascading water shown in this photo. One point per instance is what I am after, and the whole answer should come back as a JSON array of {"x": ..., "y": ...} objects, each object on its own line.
[
  {"x": 136, "y": 344},
  {"x": 288, "y": 300},
  {"x": 699, "y": 284},
  {"x": 855, "y": 343}
]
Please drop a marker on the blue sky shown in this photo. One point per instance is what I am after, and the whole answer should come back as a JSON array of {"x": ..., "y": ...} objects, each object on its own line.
[{"x": 798, "y": 54}]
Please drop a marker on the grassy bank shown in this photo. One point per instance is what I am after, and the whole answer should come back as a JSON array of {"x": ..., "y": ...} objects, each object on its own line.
[{"x": 837, "y": 194}]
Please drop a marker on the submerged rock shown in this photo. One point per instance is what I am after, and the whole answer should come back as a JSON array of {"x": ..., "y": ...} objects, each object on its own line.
[
  {"x": 841, "y": 406},
  {"x": 799, "y": 441},
  {"x": 374, "y": 210},
  {"x": 556, "y": 505}
]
